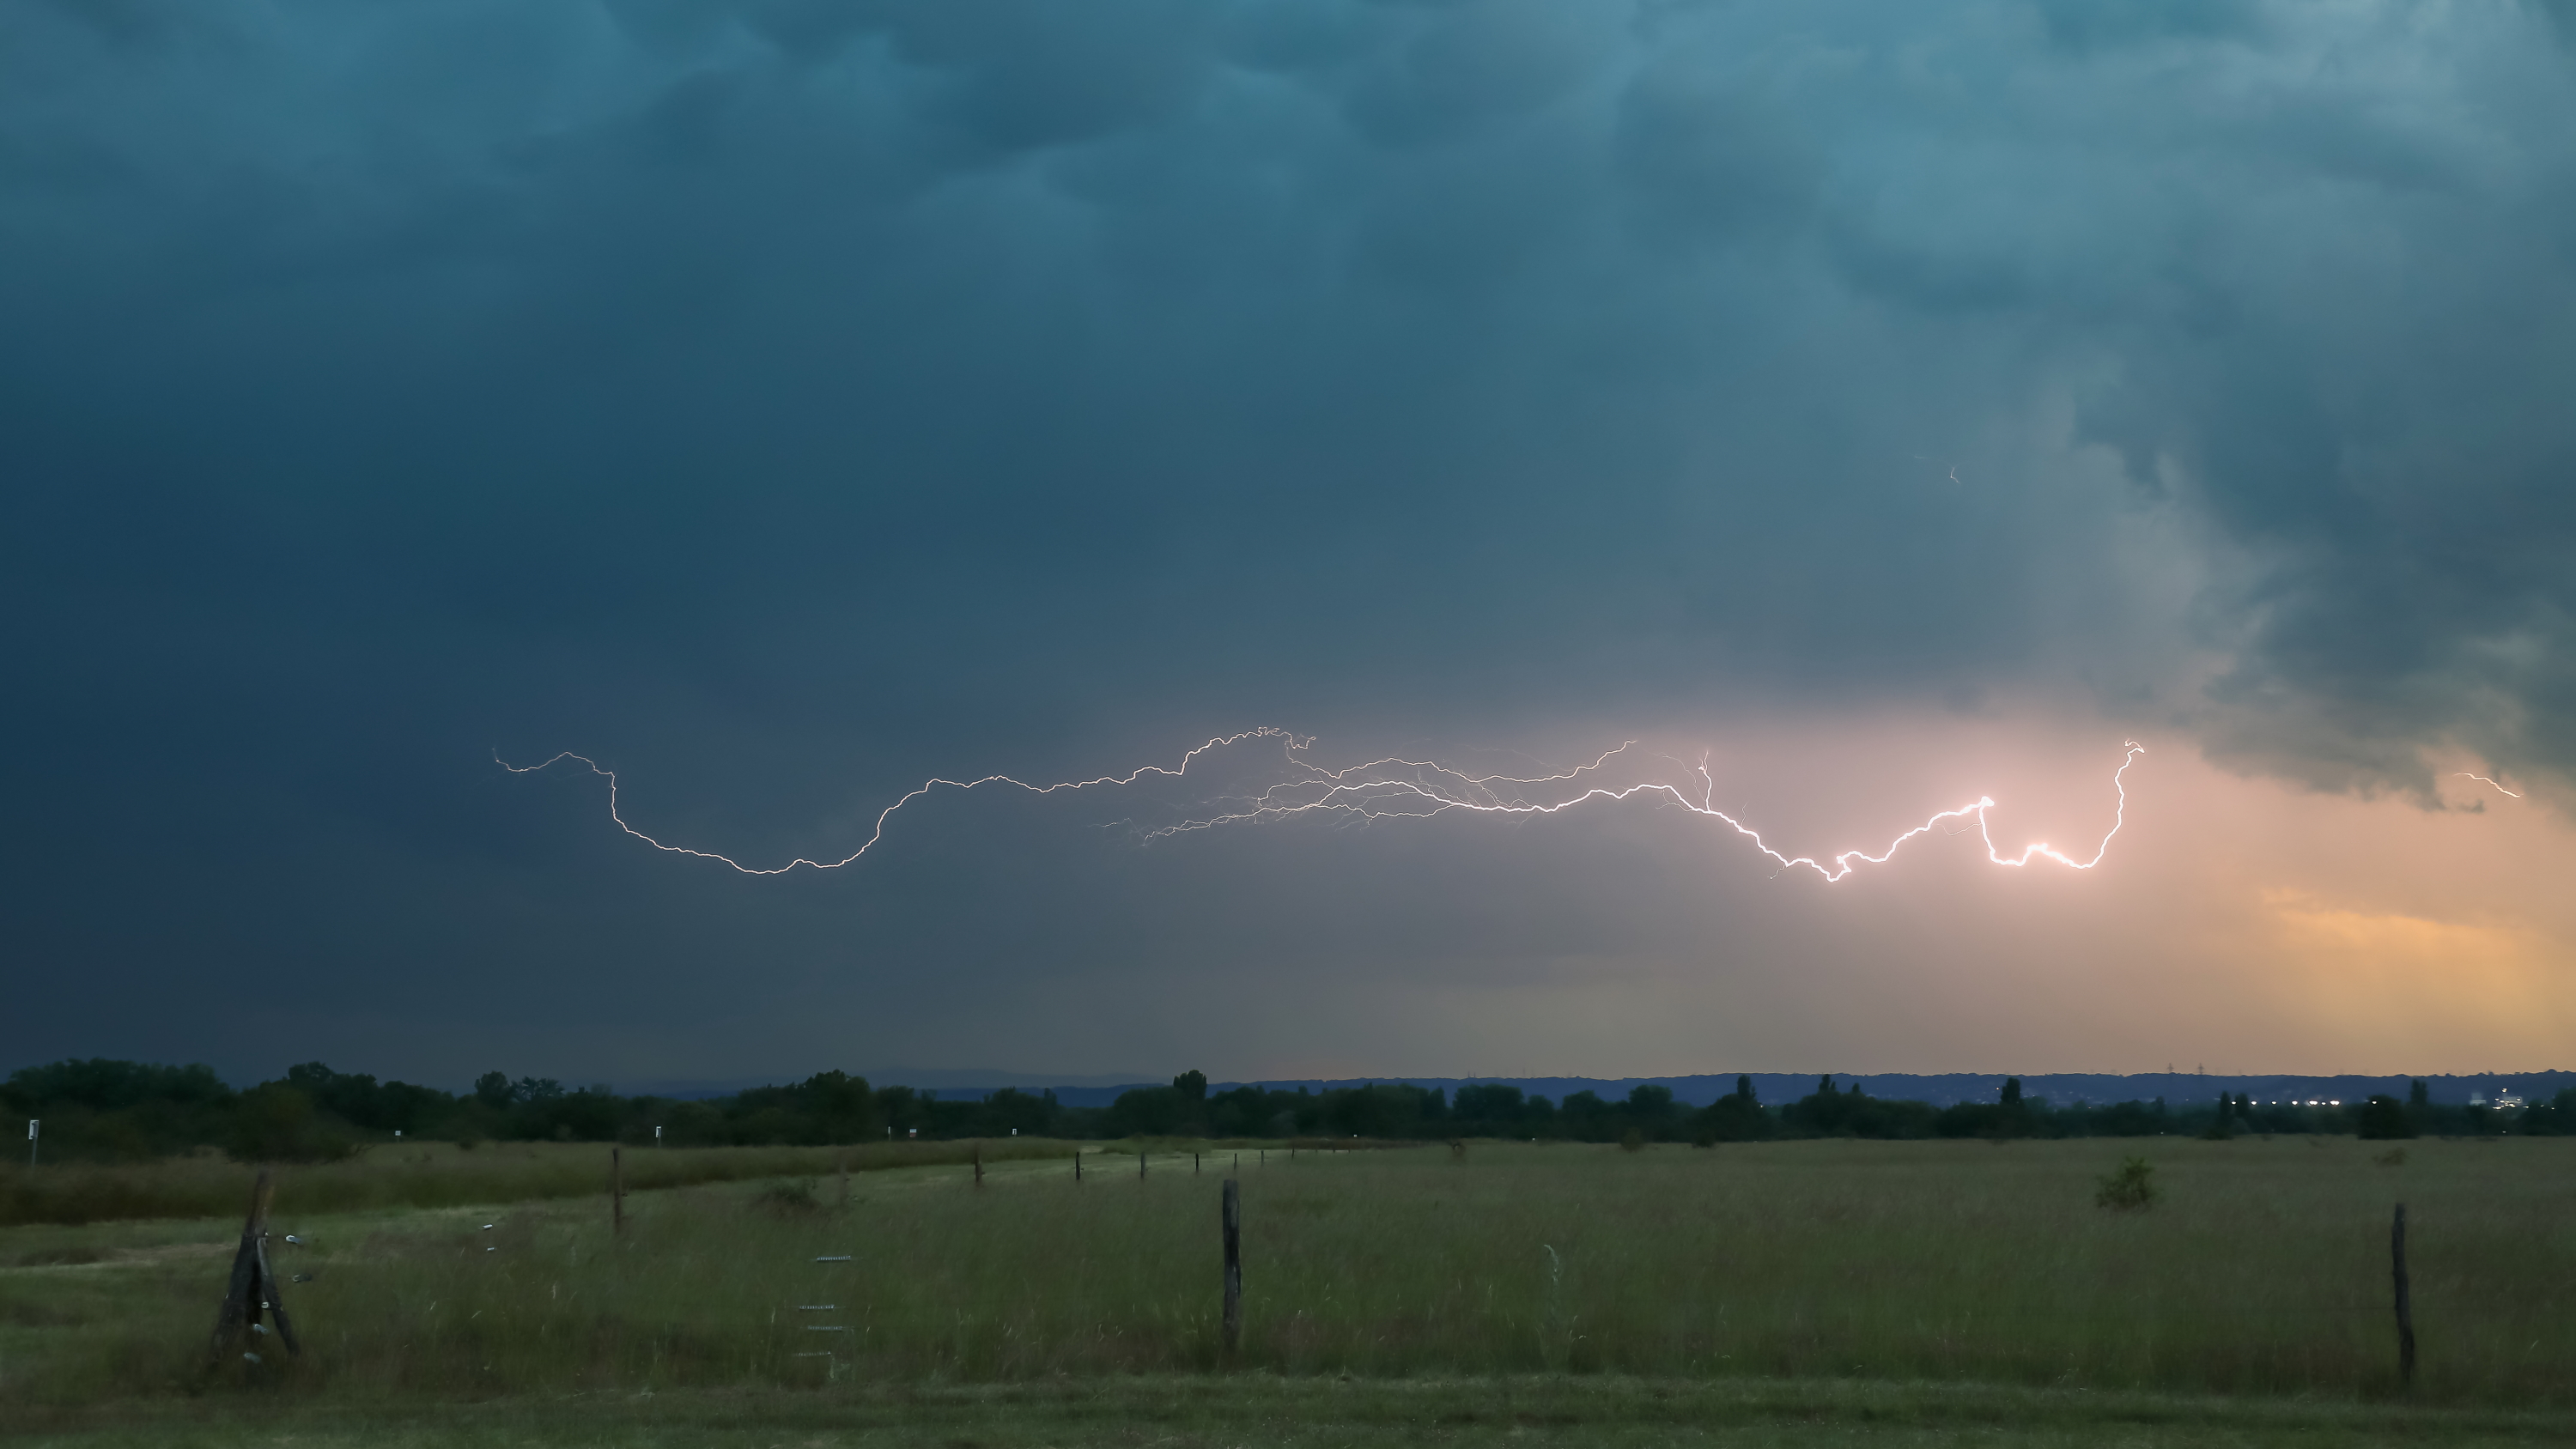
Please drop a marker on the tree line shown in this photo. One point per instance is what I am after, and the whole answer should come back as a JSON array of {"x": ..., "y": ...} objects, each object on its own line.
[{"x": 100, "y": 1109}]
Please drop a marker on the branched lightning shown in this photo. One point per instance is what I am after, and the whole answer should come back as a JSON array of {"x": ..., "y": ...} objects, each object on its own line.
[
  {"x": 924, "y": 788},
  {"x": 1418, "y": 789},
  {"x": 2467, "y": 775},
  {"x": 1396, "y": 788}
]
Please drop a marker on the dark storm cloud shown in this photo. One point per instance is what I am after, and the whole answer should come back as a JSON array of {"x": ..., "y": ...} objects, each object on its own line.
[{"x": 751, "y": 391}]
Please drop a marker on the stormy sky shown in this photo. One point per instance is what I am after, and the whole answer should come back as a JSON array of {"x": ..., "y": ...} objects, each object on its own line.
[{"x": 783, "y": 402}]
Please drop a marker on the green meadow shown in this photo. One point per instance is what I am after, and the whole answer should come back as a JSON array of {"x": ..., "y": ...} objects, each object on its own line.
[{"x": 1788, "y": 1292}]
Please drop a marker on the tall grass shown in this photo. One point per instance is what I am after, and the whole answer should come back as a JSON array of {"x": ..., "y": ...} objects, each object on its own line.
[
  {"x": 438, "y": 1174},
  {"x": 2261, "y": 1267}
]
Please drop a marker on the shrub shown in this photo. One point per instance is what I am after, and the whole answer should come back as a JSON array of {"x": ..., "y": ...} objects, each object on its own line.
[
  {"x": 793, "y": 1198},
  {"x": 2132, "y": 1186}
]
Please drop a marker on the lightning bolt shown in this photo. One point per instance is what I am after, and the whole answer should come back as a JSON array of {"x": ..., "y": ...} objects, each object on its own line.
[
  {"x": 924, "y": 788},
  {"x": 2491, "y": 782},
  {"x": 1396, "y": 788},
  {"x": 1418, "y": 789}
]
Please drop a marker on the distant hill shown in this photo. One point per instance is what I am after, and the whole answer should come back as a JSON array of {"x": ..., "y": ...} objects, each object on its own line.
[
  {"x": 1939, "y": 1089},
  {"x": 961, "y": 1082}
]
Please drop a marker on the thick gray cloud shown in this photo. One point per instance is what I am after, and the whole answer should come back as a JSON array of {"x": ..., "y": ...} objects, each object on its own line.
[{"x": 761, "y": 393}]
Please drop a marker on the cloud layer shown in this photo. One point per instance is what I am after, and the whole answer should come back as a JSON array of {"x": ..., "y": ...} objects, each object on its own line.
[{"x": 786, "y": 401}]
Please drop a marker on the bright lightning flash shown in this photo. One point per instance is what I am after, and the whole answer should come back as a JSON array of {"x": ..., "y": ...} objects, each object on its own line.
[
  {"x": 1416, "y": 789},
  {"x": 909, "y": 796},
  {"x": 2465, "y": 774},
  {"x": 1419, "y": 788}
]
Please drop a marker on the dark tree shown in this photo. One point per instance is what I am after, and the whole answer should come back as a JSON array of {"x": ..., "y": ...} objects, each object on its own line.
[
  {"x": 2384, "y": 1117},
  {"x": 1736, "y": 1117},
  {"x": 1650, "y": 1110}
]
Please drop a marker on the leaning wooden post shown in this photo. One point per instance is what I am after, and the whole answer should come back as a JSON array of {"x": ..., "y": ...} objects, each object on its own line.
[
  {"x": 2405, "y": 1309},
  {"x": 253, "y": 1289},
  {"x": 1233, "y": 1219},
  {"x": 616, "y": 1190}
]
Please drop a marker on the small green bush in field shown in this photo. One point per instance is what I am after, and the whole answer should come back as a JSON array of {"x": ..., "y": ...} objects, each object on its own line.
[
  {"x": 789, "y": 1198},
  {"x": 2133, "y": 1186}
]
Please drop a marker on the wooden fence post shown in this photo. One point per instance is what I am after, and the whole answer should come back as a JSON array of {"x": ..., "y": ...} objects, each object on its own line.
[
  {"x": 979, "y": 1164},
  {"x": 845, "y": 1180},
  {"x": 616, "y": 1192},
  {"x": 1194, "y": 1164},
  {"x": 1233, "y": 1220},
  {"x": 1077, "y": 1164},
  {"x": 253, "y": 1289},
  {"x": 2405, "y": 1309}
]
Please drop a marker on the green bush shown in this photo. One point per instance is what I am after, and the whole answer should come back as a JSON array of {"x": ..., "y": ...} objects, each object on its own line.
[
  {"x": 2131, "y": 1186},
  {"x": 791, "y": 1198}
]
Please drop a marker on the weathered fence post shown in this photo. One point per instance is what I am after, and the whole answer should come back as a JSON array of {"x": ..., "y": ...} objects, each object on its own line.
[
  {"x": 845, "y": 1179},
  {"x": 1140, "y": 1162},
  {"x": 979, "y": 1164},
  {"x": 1233, "y": 1219},
  {"x": 253, "y": 1289},
  {"x": 2405, "y": 1309},
  {"x": 1194, "y": 1164},
  {"x": 616, "y": 1191},
  {"x": 1077, "y": 1164}
]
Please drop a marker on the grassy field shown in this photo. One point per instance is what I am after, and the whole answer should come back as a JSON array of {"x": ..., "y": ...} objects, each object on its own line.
[{"x": 1783, "y": 1288}]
